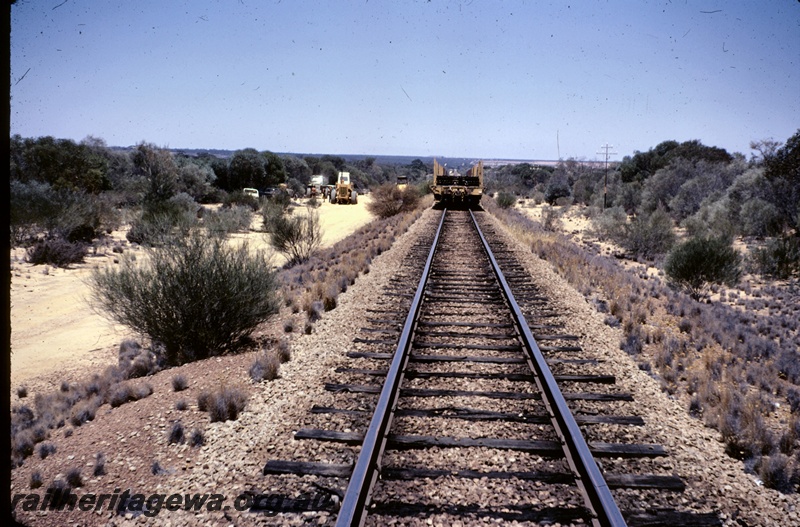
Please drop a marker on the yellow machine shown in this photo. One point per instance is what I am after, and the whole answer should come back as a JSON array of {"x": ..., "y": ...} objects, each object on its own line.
[
  {"x": 344, "y": 191},
  {"x": 451, "y": 187},
  {"x": 402, "y": 182}
]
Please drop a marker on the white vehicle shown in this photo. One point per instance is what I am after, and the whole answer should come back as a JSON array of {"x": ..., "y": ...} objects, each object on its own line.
[{"x": 251, "y": 192}]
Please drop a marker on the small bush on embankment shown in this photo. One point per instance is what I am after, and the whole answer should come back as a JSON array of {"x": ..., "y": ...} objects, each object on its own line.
[
  {"x": 77, "y": 403},
  {"x": 729, "y": 365},
  {"x": 198, "y": 297},
  {"x": 388, "y": 200}
]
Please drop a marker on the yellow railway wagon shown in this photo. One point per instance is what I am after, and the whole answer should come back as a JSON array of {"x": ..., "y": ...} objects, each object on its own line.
[{"x": 450, "y": 186}]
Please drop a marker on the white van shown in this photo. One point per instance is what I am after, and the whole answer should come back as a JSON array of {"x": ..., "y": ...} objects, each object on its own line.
[{"x": 251, "y": 192}]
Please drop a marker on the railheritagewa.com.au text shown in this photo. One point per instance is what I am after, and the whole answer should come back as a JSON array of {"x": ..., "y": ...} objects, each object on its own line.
[{"x": 127, "y": 501}]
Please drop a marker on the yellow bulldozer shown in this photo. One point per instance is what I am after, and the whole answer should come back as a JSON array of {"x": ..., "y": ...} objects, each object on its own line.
[{"x": 344, "y": 191}]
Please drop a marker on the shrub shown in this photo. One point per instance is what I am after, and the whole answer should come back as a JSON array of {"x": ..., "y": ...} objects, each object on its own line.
[
  {"x": 156, "y": 469},
  {"x": 99, "y": 465},
  {"x": 776, "y": 473},
  {"x": 239, "y": 198},
  {"x": 505, "y": 200},
  {"x": 57, "y": 252},
  {"x": 283, "y": 351},
  {"x": 551, "y": 219},
  {"x": 759, "y": 218},
  {"x": 701, "y": 261},
  {"x": 557, "y": 187},
  {"x": 227, "y": 220},
  {"x": 197, "y": 438},
  {"x": 224, "y": 404},
  {"x": 177, "y": 298},
  {"x": 176, "y": 433},
  {"x": 162, "y": 221},
  {"x": 297, "y": 237},
  {"x": 388, "y": 200},
  {"x": 271, "y": 212},
  {"x": 45, "y": 449},
  {"x": 84, "y": 411},
  {"x": 22, "y": 391},
  {"x": 73, "y": 477},
  {"x": 179, "y": 383},
  {"x": 649, "y": 235},
  {"x": 265, "y": 367},
  {"x": 124, "y": 393},
  {"x": 610, "y": 225},
  {"x": 780, "y": 258},
  {"x": 181, "y": 405},
  {"x": 36, "y": 479}
]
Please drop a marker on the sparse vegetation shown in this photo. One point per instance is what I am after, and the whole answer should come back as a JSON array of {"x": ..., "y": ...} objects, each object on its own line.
[
  {"x": 57, "y": 252},
  {"x": 36, "y": 480},
  {"x": 73, "y": 477},
  {"x": 196, "y": 438},
  {"x": 99, "y": 468},
  {"x": 265, "y": 367},
  {"x": 45, "y": 449},
  {"x": 223, "y": 404},
  {"x": 179, "y": 383},
  {"x": 176, "y": 433},
  {"x": 716, "y": 357},
  {"x": 126, "y": 392}
]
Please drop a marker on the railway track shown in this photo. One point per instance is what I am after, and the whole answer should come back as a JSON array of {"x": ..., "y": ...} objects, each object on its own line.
[{"x": 467, "y": 402}]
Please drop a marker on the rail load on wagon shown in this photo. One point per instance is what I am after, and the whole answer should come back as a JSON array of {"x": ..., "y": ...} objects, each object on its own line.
[{"x": 449, "y": 186}]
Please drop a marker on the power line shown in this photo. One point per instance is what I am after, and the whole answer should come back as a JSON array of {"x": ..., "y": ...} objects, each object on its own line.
[{"x": 606, "y": 147}]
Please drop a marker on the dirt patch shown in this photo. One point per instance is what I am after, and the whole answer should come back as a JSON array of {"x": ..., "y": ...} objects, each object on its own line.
[{"x": 54, "y": 331}]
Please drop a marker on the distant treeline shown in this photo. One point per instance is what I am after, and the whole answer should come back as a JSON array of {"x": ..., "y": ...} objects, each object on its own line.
[{"x": 705, "y": 189}]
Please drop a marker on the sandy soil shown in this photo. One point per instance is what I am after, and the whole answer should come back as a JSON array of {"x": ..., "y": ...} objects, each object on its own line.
[{"x": 54, "y": 328}]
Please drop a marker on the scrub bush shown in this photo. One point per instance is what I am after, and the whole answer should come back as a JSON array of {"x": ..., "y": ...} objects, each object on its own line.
[
  {"x": 505, "y": 200},
  {"x": 298, "y": 237},
  {"x": 388, "y": 200},
  {"x": 198, "y": 298},
  {"x": 57, "y": 252},
  {"x": 698, "y": 262}
]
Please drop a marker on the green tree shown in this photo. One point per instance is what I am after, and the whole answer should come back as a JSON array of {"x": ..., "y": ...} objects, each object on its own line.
[
  {"x": 274, "y": 172},
  {"x": 649, "y": 235},
  {"x": 298, "y": 169},
  {"x": 783, "y": 171},
  {"x": 246, "y": 169},
  {"x": 557, "y": 187},
  {"x": 698, "y": 262},
  {"x": 158, "y": 167},
  {"x": 61, "y": 163}
]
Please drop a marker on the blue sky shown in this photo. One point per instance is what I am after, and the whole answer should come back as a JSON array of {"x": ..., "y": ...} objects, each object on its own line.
[{"x": 476, "y": 78}]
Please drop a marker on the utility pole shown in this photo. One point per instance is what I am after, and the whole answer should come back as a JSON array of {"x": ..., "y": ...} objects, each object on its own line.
[{"x": 606, "y": 147}]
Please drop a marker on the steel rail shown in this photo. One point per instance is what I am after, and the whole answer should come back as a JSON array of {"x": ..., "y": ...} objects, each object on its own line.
[
  {"x": 588, "y": 476},
  {"x": 367, "y": 468}
]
